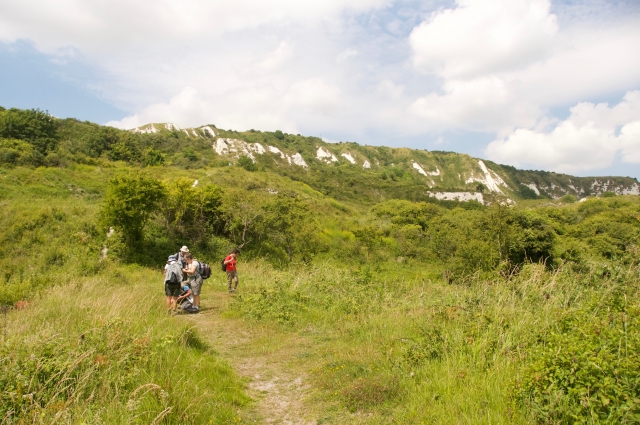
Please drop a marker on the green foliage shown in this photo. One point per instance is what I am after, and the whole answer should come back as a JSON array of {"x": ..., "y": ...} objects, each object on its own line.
[
  {"x": 278, "y": 135},
  {"x": 608, "y": 194},
  {"x": 152, "y": 158},
  {"x": 130, "y": 200},
  {"x": 192, "y": 213},
  {"x": 18, "y": 152},
  {"x": 527, "y": 193},
  {"x": 289, "y": 224},
  {"x": 31, "y": 125},
  {"x": 190, "y": 154},
  {"x": 587, "y": 369},
  {"x": 568, "y": 199},
  {"x": 246, "y": 163}
]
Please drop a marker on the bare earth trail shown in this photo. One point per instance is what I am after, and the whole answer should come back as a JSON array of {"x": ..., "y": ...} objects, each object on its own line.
[{"x": 273, "y": 363}]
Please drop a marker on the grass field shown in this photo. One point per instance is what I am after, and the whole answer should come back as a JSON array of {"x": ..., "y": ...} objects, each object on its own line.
[{"x": 354, "y": 336}]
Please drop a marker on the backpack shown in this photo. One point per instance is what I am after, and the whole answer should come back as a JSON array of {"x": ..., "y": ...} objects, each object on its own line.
[
  {"x": 224, "y": 266},
  {"x": 204, "y": 270},
  {"x": 175, "y": 274}
]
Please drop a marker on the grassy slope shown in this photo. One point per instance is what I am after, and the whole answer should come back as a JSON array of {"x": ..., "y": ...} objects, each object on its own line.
[
  {"x": 375, "y": 342},
  {"x": 102, "y": 349}
]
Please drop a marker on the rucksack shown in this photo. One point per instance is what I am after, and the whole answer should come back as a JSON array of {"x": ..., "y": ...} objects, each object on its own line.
[
  {"x": 224, "y": 266},
  {"x": 204, "y": 270},
  {"x": 175, "y": 274}
]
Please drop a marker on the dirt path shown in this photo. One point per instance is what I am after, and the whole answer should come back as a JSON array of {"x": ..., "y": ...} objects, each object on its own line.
[{"x": 272, "y": 362}]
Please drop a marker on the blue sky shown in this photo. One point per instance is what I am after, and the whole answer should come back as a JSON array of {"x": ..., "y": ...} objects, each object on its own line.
[{"x": 532, "y": 83}]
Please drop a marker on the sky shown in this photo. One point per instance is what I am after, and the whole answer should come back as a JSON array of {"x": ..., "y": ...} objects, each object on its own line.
[{"x": 537, "y": 84}]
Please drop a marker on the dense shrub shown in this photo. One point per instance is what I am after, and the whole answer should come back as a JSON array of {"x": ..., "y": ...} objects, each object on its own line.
[
  {"x": 36, "y": 127},
  {"x": 587, "y": 369}
]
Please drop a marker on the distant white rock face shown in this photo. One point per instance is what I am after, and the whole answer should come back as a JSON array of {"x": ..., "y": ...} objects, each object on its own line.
[
  {"x": 420, "y": 169},
  {"x": 207, "y": 129},
  {"x": 634, "y": 189},
  {"x": 273, "y": 149},
  {"x": 366, "y": 164},
  {"x": 324, "y": 155},
  {"x": 533, "y": 187},
  {"x": 349, "y": 158},
  {"x": 195, "y": 183},
  {"x": 238, "y": 147},
  {"x": 221, "y": 147},
  {"x": 458, "y": 196},
  {"x": 434, "y": 173},
  {"x": 298, "y": 160},
  {"x": 187, "y": 133},
  {"x": 259, "y": 149},
  {"x": 171, "y": 126},
  {"x": 148, "y": 130},
  {"x": 490, "y": 179},
  {"x": 194, "y": 133}
]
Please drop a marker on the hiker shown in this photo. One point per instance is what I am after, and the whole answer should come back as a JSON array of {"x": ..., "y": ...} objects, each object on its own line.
[
  {"x": 183, "y": 251},
  {"x": 185, "y": 300},
  {"x": 172, "y": 280},
  {"x": 195, "y": 280},
  {"x": 232, "y": 273}
]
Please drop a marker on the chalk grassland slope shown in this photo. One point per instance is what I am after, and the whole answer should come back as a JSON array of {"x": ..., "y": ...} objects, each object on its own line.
[
  {"x": 345, "y": 171},
  {"x": 436, "y": 172},
  {"x": 415, "y": 312}
]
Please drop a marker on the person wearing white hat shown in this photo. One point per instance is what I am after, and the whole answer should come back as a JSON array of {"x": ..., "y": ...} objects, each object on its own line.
[{"x": 180, "y": 254}]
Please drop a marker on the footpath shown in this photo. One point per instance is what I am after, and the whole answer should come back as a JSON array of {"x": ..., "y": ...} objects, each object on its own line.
[{"x": 273, "y": 363}]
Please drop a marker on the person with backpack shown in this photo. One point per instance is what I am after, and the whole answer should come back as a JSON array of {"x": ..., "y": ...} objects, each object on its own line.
[
  {"x": 229, "y": 264},
  {"x": 195, "y": 279},
  {"x": 172, "y": 280}
]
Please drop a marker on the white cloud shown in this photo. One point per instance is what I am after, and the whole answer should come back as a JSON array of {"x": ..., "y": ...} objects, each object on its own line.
[
  {"x": 483, "y": 36},
  {"x": 95, "y": 26},
  {"x": 483, "y": 104},
  {"x": 504, "y": 63},
  {"x": 346, "y": 54},
  {"x": 589, "y": 139},
  {"x": 389, "y": 88},
  {"x": 278, "y": 57}
]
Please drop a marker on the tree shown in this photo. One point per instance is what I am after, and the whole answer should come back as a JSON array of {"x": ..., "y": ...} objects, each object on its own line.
[
  {"x": 32, "y": 125},
  {"x": 243, "y": 213},
  {"x": 192, "y": 212},
  {"x": 130, "y": 201},
  {"x": 152, "y": 158},
  {"x": 246, "y": 163},
  {"x": 289, "y": 224}
]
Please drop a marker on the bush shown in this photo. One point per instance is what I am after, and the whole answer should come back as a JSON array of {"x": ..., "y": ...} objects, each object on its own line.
[
  {"x": 587, "y": 370},
  {"x": 34, "y": 126},
  {"x": 130, "y": 200},
  {"x": 246, "y": 163},
  {"x": 568, "y": 199},
  {"x": 15, "y": 152}
]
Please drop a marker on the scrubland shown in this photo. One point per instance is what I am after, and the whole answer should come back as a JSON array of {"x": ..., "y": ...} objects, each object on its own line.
[{"x": 410, "y": 312}]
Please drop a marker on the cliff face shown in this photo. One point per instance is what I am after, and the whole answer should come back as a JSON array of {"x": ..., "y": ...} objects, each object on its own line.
[{"x": 444, "y": 175}]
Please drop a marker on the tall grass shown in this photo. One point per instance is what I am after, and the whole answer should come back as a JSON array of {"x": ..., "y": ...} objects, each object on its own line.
[
  {"x": 103, "y": 350},
  {"x": 423, "y": 351}
]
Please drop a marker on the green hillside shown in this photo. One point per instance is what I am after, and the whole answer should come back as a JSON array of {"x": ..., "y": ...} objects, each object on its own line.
[{"x": 364, "y": 298}]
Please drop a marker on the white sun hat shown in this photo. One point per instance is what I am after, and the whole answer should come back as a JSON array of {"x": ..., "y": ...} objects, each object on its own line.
[{"x": 184, "y": 249}]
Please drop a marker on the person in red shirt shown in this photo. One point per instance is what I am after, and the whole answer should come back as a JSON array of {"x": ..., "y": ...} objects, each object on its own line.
[{"x": 232, "y": 273}]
